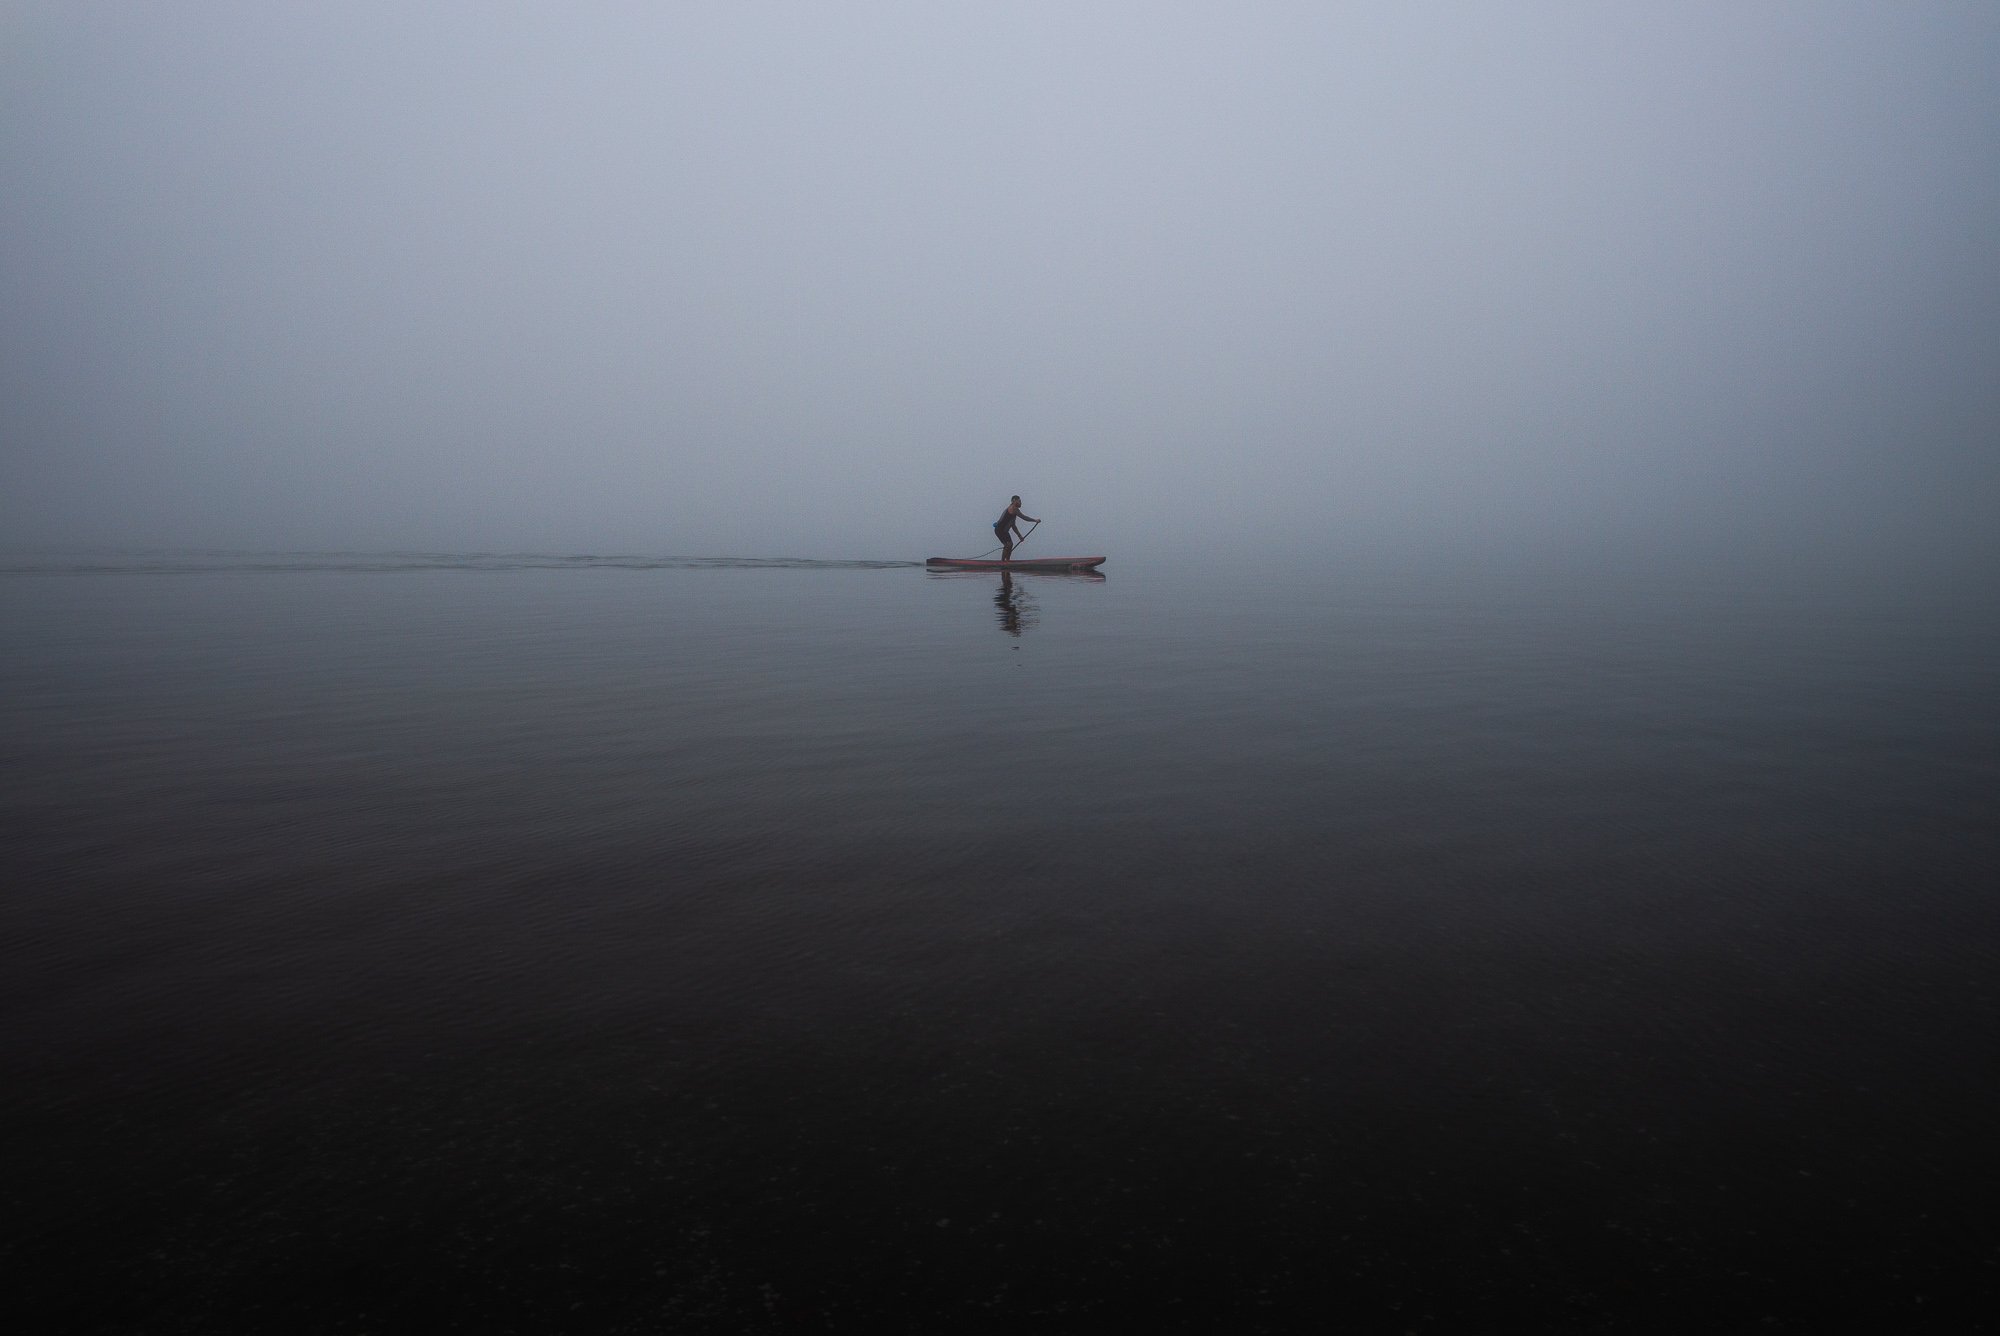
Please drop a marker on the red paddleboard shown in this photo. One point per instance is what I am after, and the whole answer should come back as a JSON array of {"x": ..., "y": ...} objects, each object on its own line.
[{"x": 1017, "y": 564}]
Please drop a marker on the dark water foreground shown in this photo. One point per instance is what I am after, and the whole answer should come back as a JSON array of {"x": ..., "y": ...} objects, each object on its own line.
[{"x": 545, "y": 945}]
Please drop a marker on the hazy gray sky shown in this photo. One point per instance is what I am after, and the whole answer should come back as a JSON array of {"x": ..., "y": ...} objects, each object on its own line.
[{"x": 834, "y": 279}]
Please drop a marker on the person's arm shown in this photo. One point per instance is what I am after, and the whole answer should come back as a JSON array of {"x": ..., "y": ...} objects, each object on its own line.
[{"x": 1019, "y": 516}]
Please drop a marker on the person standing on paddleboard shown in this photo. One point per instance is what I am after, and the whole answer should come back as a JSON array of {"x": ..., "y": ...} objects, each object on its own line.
[{"x": 1008, "y": 526}]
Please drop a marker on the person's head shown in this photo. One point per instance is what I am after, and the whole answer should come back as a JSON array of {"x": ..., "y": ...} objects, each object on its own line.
[{"x": 1017, "y": 500}]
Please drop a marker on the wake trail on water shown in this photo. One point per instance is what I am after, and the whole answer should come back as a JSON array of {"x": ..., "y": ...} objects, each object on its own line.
[{"x": 208, "y": 562}]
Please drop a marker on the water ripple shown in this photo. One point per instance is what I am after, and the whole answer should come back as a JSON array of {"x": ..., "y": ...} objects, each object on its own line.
[{"x": 211, "y": 562}]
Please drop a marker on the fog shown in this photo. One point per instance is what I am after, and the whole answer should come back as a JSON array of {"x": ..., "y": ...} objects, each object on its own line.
[{"x": 1505, "y": 282}]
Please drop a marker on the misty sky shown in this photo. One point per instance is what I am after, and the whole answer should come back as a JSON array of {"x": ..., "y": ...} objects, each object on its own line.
[{"x": 835, "y": 279}]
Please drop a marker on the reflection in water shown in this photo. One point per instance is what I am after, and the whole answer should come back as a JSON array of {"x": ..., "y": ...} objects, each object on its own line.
[
  {"x": 1014, "y": 606},
  {"x": 1016, "y": 613}
]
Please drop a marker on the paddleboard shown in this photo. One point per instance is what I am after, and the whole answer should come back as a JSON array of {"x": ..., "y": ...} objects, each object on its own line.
[{"x": 1017, "y": 564}]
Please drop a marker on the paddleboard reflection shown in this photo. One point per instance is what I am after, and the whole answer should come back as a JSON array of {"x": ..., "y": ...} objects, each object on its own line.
[{"x": 1015, "y": 607}]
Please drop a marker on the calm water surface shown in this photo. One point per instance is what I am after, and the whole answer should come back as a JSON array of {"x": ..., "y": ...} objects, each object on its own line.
[{"x": 583, "y": 944}]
